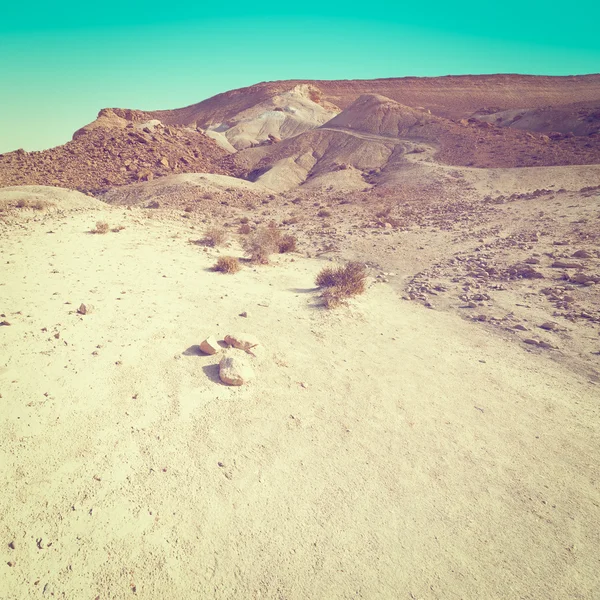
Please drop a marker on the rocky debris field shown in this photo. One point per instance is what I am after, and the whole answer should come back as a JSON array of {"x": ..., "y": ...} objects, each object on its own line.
[{"x": 102, "y": 158}]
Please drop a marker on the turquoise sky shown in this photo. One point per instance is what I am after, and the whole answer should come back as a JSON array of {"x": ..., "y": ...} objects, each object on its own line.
[{"x": 61, "y": 62}]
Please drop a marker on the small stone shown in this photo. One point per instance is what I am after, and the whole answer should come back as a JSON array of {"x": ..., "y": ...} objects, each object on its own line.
[
  {"x": 531, "y": 342},
  {"x": 582, "y": 278},
  {"x": 582, "y": 254},
  {"x": 245, "y": 314},
  {"x": 85, "y": 309},
  {"x": 242, "y": 341},
  {"x": 210, "y": 346},
  {"x": 234, "y": 369},
  {"x": 561, "y": 264},
  {"x": 4, "y": 324},
  {"x": 549, "y": 326},
  {"x": 543, "y": 344}
]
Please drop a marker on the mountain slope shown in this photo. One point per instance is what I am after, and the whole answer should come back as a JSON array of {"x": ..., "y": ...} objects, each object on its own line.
[
  {"x": 374, "y": 133},
  {"x": 103, "y": 156},
  {"x": 451, "y": 96}
]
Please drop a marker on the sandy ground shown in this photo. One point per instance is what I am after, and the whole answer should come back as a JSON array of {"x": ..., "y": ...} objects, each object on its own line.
[{"x": 384, "y": 450}]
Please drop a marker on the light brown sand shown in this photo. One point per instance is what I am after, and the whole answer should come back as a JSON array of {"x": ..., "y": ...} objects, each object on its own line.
[{"x": 383, "y": 451}]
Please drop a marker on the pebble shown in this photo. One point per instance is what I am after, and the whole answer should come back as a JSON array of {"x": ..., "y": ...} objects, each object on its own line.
[{"x": 85, "y": 309}]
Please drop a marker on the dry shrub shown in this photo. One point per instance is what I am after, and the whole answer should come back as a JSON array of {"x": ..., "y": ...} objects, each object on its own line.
[
  {"x": 101, "y": 227},
  {"x": 324, "y": 213},
  {"x": 261, "y": 244},
  {"x": 118, "y": 228},
  {"x": 384, "y": 212},
  {"x": 215, "y": 236},
  {"x": 287, "y": 243},
  {"x": 244, "y": 229},
  {"x": 227, "y": 264},
  {"x": 35, "y": 204},
  {"x": 341, "y": 283}
]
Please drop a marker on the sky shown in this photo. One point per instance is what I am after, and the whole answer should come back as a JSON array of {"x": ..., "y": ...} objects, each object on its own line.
[{"x": 63, "y": 61}]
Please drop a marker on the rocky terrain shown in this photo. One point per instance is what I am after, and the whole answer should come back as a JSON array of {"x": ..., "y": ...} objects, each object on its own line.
[
  {"x": 299, "y": 130},
  {"x": 172, "y": 428},
  {"x": 115, "y": 153}
]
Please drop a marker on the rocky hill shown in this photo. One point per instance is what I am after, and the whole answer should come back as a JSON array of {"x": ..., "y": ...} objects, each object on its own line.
[
  {"x": 452, "y": 96},
  {"x": 115, "y": 151},
  {"x": 307, "y": 128},
  {"x": 375, "y": 137}
]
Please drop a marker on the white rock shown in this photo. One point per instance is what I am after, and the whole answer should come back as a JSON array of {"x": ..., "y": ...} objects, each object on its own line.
[
  {"x": 242, "y": 341},
  {"x": 210, "y": 346},
  {"x": 234, "y": 369}
]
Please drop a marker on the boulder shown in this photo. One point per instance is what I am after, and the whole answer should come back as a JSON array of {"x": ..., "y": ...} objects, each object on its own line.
[{"x": 234, "y": 369}]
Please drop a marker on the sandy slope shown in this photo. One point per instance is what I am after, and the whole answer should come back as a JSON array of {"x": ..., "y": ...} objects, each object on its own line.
[{"x": 384, "y": 450}]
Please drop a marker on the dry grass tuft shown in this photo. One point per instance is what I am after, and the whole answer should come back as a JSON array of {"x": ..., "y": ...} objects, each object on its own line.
[
  {"x": 261, "y": 244},
  {"x": 227, "y": 264},
  {"x": 101, "y": 227},
  {"x": 244, "y": 229},
  {"x": 341, "y": 283},
  {"x": 35, "y": 204},
  {"x": 118, "y": 228},
  {"x": 287, "y": 243},
  {"x": 215, "y": 236}
]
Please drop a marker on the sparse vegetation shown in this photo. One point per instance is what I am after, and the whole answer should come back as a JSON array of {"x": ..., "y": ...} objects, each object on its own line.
[
  {"x": 341, "y": 283},
  {"x": 101, "y": 227},
  {"x": 227, "y": 264},
  {"x": 261, "y": 244},
  {"x": 35, "y": 204},
  {"x": 384, "y": 212},
  {"x": 244, "y": 229},
  {"x": 287, "y": 243},
  {"x": 215, "y": 236}
]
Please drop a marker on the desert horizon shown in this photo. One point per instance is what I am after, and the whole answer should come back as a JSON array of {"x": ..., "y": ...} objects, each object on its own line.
[{"x": 321, "y": 338}]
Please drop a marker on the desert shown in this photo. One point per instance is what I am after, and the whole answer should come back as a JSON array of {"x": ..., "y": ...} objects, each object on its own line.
[{"x": 307, "y": 339}]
